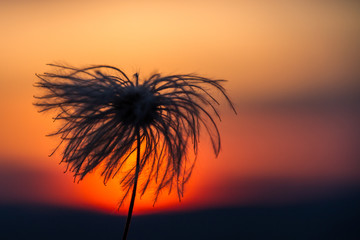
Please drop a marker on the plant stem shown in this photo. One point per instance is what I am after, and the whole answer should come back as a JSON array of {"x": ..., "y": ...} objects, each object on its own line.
[{"x": 128, "y": 220}]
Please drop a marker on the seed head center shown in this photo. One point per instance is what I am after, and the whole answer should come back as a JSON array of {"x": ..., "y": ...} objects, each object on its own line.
[{"x": 136, "y": 106}]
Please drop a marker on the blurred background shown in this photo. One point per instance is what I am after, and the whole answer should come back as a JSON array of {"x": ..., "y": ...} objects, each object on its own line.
[{"x": 293, "y": 148}]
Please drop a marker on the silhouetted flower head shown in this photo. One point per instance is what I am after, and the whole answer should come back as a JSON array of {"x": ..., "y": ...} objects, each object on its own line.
[{"x": 102, "y": 110}]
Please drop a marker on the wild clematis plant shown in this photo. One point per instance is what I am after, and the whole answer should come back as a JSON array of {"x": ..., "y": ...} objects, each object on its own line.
[{"x": 107, "y": 117}]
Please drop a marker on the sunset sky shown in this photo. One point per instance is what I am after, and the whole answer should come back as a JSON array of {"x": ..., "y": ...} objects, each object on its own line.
[{"x": 292, "y": 69}]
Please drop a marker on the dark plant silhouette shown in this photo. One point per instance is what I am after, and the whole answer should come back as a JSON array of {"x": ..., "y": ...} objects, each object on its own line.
[{"x": 107, "y": 117}]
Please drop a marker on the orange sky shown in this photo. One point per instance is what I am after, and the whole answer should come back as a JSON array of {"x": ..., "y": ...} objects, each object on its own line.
[{"x": 268, "y": 50}]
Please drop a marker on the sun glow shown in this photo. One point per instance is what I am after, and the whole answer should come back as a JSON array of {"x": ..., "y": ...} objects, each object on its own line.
[{"x": 107, "y": 197}]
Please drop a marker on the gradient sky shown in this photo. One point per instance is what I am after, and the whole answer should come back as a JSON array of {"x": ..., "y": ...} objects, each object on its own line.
[{"x": 293, "y": 71}]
